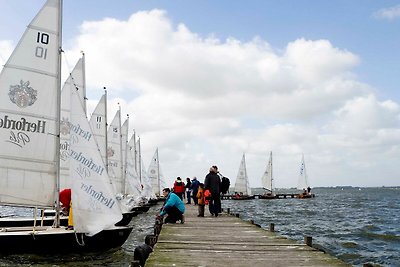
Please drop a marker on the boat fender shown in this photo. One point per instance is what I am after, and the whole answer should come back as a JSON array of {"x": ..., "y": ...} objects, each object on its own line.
[{"x": 141, "y": 253}]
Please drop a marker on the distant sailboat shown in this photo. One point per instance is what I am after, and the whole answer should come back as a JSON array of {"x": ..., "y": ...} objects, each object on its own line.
[
  {"x": 242, "y": 186},
  {"x": 267, "y": 181},
  {"x": 303, "y": 181},
  {"x": 30, "y": 96}
]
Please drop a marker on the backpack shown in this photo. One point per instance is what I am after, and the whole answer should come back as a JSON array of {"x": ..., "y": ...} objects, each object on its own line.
[{"x": 225, "y": 183}]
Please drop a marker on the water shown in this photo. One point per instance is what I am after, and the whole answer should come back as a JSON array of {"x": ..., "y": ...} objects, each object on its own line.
[
  {"x": 142, "y": 226},
  {"x": 356, "y": 225}
]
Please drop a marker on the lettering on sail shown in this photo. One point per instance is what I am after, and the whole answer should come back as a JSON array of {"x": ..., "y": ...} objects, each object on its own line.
[
  {"x": 98, "y": 196},
  {"x": 20, "y": 129},
  {"x": 86, "y": 164}
]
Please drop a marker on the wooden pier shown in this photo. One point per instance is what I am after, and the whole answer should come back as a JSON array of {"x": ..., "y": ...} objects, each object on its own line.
[{"x": 227, "y": 240}]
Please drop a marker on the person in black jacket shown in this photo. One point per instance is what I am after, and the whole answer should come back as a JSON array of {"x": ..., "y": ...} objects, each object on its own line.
[
  {"x": 188, "y": 187},
  {"x": 212, "y": 182}
]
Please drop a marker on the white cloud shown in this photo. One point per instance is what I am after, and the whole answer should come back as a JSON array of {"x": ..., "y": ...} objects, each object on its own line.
[
  {"x": 205, "y": 101},
  {"x": 388, "y": 13}
]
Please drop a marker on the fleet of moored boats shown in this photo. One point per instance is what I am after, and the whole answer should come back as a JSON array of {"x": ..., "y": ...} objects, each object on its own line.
[{"x": 49, "y": 144}]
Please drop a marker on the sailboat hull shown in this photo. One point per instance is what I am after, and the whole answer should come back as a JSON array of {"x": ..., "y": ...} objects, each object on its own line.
[
  {"x": 59, "y": 240},
  {"x": 144, "y": 208},
  {"x": 22, "y": 221}
]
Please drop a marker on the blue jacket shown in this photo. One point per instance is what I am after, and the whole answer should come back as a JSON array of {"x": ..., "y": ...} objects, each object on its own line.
[{"x": 171, "y": 201}]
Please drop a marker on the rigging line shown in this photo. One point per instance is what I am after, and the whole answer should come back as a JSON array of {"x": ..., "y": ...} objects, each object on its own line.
[
  {"x": 82, "y": 244},
  {"x": 70, "y": 70}
]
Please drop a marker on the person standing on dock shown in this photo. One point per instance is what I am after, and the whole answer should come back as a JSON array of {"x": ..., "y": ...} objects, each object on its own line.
[
  {"x": 179, "y": 188},
  {"x": 174, "y": 207},
  {"x": 212, "y": 182},
  {"x": 195, "y": 188},
  {"x": 188, "y": 187},
  {"x": 201, "y": 199}
]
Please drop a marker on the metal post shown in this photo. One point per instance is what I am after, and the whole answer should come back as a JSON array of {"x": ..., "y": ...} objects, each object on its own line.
[
  {"x": 272, "y": 227},
  {"x": 308, "y": 240}
]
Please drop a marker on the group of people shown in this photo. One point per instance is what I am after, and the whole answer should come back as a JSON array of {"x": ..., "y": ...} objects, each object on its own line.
[
  {"x": 188, "y": 190},
  {"x": 202, "y": 194}
]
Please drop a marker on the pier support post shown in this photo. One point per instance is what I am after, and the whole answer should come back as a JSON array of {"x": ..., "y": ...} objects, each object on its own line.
[
  {"x": 229, "y": 210},
  {"x": 150, "y": 240},
  {"x": 272, "y": 227},
  {"x": 308, "y": 240},
  {"x": 237, "y": 215}
]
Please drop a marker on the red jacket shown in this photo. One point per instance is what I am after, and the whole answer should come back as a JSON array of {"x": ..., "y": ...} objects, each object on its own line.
[
  {"x": 65, "y": 198},
  {"x": 179, "y": 187}
]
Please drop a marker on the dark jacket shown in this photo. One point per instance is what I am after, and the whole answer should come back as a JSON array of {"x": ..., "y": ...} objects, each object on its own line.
[
  {"x": 195, "y": 185},
  {"x": 213, "y": 183}
]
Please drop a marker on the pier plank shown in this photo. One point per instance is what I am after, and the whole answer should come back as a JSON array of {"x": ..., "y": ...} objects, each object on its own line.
[{"x": 229, "y": 241}]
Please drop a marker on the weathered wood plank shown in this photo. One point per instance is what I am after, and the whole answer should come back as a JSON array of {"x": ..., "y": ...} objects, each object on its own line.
[{"x": 230, "y": 241}]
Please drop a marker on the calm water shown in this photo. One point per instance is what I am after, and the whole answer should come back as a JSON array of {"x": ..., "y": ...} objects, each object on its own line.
[{"x": 357, "y": 226}]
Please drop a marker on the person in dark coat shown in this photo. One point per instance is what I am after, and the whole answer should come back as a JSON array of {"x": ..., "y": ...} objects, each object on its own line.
[
  {"x": 188, "y": 187},
  {"x": 212, "y": 182},
  {"x": 195, "y": 188}
]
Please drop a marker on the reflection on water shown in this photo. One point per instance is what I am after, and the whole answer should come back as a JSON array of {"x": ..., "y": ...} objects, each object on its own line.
[{"x": 357, "y": 226}]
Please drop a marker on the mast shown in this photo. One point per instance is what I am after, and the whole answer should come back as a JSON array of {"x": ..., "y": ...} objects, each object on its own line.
[
  {"x": 245, "y": 175},
  {"x": 140, "y": 161},
  {"x": 105, "y": 128},
  {"x": 84, "y": 82},
  {"x": 158, "y": 172},
  {"x": 120, "y": 148},
  {"x": 125, "y": 157},
  {"x": 134, "y": 148},
  {"x": 58, "y": 115}
]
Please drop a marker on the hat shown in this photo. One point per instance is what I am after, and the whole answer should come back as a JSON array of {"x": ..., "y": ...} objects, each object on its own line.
[{"x": 178, "y": 179}]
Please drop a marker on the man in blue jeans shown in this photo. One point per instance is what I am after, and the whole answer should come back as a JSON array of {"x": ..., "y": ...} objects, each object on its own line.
[{"x": 173, "y": 207}]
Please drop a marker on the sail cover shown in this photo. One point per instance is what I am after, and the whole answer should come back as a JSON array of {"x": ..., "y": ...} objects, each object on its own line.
[
  {"x": 29, "y": 108},
  {"x": 94, "y": 204}
]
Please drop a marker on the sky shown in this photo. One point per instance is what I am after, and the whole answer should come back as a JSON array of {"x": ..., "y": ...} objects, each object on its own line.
[{"x": 206, "y": 81}]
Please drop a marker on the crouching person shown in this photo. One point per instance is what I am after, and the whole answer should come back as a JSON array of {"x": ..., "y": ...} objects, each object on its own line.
[{"x": 174, "y": 207}]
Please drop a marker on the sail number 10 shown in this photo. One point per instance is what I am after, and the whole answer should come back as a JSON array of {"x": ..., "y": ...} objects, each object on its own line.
[{"x": 43, "y": 39}]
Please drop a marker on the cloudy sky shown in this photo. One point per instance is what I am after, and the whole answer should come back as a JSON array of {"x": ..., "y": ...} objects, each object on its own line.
[{"x": 206, "y": 81}]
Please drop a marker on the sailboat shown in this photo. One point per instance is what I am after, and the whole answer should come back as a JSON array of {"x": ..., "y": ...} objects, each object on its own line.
[
  {"x": 267, "y": 180},
  {"x": 30, "y": 96},
  {"x": 154, "y": 174},
  {"x": 303, "y": 181},
  {"x": 242, "y": 186}
]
